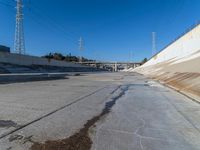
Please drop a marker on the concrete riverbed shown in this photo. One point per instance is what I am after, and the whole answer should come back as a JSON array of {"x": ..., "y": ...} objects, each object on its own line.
[{"x": 99, "y": 111}]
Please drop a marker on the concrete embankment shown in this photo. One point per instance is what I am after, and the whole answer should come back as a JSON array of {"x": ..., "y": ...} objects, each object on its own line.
[
  {"x": 11, "y": 73},
  {"x": 22, "y": 68},
  {"x": 6, "y": 68},
  {"x": 184, "y": 77},
  {"x": 16, "y": 78},
  {"x": 178, "y": 64},
  {"x": 26, "y": 60},
  {"x": 14, "y": 63},
  {"x": 16, "y": 73}
]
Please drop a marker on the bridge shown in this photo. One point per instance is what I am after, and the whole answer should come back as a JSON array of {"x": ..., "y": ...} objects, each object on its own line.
[{"x": 112, "y": 66}]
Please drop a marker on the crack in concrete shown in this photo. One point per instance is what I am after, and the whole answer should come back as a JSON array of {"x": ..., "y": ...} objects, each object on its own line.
[
  {"x": 46, "y": 115},
  {"x": 181, "y": 113},
  {"x": 124, "y": 132},
  {"x": 80, "y": 140},
  {"x": 141, "y": 137}
]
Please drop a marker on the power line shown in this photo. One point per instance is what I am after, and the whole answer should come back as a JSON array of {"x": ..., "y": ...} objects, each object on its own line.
[
  {"x": 6, "y": 4},
  {"x": 49, "y": 19},
  {"x": 45, "y": 22},
  {"x": 41, "y": 19}
]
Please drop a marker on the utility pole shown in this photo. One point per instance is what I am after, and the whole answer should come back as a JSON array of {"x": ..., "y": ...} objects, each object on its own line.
[
  {"x": 115, "y": 67},
  {"x": 81, "y": 48},
  {"x": 131, "y": 56},
  {"x": 19, "y": 30},
  {"x": 153, "y": 43}
]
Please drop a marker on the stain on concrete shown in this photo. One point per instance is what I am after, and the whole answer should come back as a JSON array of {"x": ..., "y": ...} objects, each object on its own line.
[
  {"x": 21, "y": 138},
  {"x": 15, "y": 138},
  {"x": 77, "y": 74},
  {"x": 80, "y": 140},
  {"x": 9, "y": 148},
  {"x": 28, "y": 139},
  {"x": 184, "y": 82},
  {"x": 7, "y": 124},
  {"x": 139, "y": 85}
]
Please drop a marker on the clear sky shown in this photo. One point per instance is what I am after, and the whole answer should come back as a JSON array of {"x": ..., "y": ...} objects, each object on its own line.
[{"x": 111, "y": 29}]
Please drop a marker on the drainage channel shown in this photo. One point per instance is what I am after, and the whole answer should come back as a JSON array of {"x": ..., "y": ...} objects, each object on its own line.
[{"x": 81, "y": 139}]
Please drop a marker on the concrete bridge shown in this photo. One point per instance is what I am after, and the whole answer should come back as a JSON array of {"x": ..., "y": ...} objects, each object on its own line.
[{"x": 112, "y": 66}]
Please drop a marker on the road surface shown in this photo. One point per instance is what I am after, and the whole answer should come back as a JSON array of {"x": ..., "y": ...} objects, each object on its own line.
[{"x": 142, "y": 114}]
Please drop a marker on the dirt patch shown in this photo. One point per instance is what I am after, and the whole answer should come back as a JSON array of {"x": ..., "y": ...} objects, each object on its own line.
[
  {"x": 80, "y": 140},
  {"x": 77, "y": 74},
  {"x": 7, "y": 124},
  {"x": 15, "y": 137}
]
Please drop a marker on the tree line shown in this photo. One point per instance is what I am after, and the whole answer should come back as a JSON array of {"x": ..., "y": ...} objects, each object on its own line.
[
  {"x": 72, "y": 58},
  {"x": 68, "y": 58}
]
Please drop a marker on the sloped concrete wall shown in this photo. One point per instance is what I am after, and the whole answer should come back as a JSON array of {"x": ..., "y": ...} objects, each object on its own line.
[
  {"x": 186, "y": 45},
  {"x": 178, "y": 65},
  {"x": 32, "y": 60}
]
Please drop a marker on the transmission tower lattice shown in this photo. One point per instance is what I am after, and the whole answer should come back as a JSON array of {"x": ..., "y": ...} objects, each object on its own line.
[
  {"x": 19, "y": 31},
  {"x": 81, "y": 44},
  {"x": 153, "y": 43},
  {"x": 81, "y": 48}
]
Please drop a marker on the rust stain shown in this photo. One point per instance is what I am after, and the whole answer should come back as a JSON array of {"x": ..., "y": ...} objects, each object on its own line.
[{"x": 186, "y": 82}]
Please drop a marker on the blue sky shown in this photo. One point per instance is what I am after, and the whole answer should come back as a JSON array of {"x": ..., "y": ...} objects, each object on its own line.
[{"x": 111, "y": 29}]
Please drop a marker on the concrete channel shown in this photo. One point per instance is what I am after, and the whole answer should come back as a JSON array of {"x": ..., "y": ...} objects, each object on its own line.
[{"x": 107, "y": 111}]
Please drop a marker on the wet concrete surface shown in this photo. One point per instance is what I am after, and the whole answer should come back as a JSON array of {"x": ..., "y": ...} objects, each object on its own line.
[
  {"x": 80, "y": 140},
  {"x": 130, "y": 113},
  {"x": 7, "y": 124}
]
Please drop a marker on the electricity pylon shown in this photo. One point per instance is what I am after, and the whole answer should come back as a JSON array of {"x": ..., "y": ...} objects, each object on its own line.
[
  {"x": 153, "y": 43},
  {"x": 19, "y": 30},
  {"x": 81, "y": 48}
]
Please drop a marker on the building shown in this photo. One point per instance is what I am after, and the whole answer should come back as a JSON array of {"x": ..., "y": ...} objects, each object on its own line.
[{"x": 4, "y": 49}]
